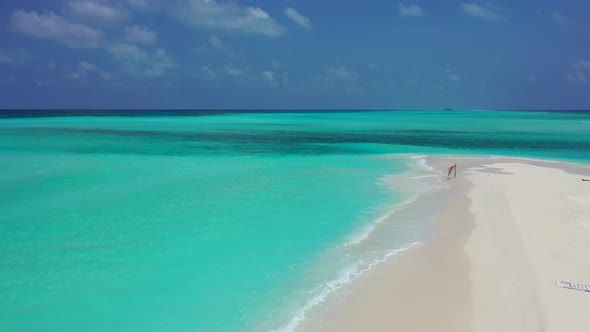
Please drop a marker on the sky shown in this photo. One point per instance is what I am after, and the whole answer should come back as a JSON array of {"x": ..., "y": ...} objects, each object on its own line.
[{"x": 295, "y": 54}]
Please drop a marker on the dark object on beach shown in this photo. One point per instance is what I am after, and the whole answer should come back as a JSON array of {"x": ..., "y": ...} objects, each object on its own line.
[
  {"x": 586, "y": 180},
  {"x": 573, "y": 285},
  {"x": 452, "y": 169}
]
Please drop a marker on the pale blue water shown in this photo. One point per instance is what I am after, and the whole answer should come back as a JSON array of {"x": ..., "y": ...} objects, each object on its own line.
[{"x": 232, "y": 222}]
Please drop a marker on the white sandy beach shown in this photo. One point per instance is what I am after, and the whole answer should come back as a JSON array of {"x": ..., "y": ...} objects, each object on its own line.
[{"x": 512, "y": 228}]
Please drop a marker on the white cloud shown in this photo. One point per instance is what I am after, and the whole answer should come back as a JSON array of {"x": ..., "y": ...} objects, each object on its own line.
[
  {"x": 578, "y": 76},
  {"x": 97, "y": 12},
  {"x": 581, "y": 68},
  {"x": 232, "y": 71},
  {"x": 582, "y": 65},
  {"x": 86, "y": 66},
  {"x": 334, "y": 78},
  {"x": 559, "y": 17},
  {"x": 380, "y": 67},
  {"x": 478, "y": 11},
  {"x": 83, "y": 69},
  {"x": 14, "y": 57},
  {"x": 274, "y": 78},
  {"x": 142, "y": 63},
  {"x": 453, "y": 76},
  {"x": 340, "y": 73},
  {"x": 216, "y": 42},
  {"x": 209, "y": 72},
  {"x": 48, "y": 25},
  {"x": 140, "y": 35},
  {"x": 268, "y": 75},
  {"x": 228, "y": 16},
  {"x": 532, "y": 78},
  {"x": 298, "y": 18},
  {"x": 410, "y": 10},
  {"x": 149, "y": 5},
  {"x": 105, "y": 75},
  {"x": 553, "y": 15},
  {"x": 77, "y": 75},
  {"x": 257, "y": 12},
  {"x": 241, "y": 75}
]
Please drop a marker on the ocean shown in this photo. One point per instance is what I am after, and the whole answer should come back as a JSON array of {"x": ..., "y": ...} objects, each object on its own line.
[{"x": 225, "y": 221}]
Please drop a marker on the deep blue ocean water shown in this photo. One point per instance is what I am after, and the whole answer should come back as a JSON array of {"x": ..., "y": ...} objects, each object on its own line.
[{"x": 221, "y": 221}]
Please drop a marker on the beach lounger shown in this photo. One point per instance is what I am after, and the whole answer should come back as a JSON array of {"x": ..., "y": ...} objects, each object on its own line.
[{"x": 573, "y": 285}]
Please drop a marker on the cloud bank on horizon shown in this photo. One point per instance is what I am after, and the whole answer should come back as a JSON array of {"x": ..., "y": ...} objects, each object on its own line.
[{"x": 284, "y": 54}]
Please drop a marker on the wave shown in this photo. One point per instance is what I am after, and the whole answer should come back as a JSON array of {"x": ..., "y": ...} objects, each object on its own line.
[
  {"x": 423, "y": 176},
  {"x": 366, "y": 232},
  {"x": 363, "y": 246},
  {"x": 422, "y": 163},
  {"x": 411, "y": 189},
  {"x": 345, "y": 277}
]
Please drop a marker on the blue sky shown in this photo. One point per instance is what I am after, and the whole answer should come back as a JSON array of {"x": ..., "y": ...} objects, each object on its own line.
[{"x": 295, "y": 54}]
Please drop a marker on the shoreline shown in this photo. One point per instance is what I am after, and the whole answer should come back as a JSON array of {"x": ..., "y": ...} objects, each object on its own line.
[
  {"x": 404, "y": 222},
  {"x": 491, "y": 263}
]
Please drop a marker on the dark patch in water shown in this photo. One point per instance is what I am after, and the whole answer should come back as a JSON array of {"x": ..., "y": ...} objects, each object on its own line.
[
  {"x": 285, "y": 142},
  {"x": 28, "y": 113}
]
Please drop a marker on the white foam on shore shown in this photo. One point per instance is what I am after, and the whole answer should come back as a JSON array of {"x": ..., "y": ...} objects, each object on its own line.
[
  {"x": 423, "y": 176},
  {"x": 412, "y": 184},
  {"x": 411, "y": 188},
  {"x": 366, "y": 232},
  {"x": 422, "y": 163},
  {"x": 344, "y": 277}
]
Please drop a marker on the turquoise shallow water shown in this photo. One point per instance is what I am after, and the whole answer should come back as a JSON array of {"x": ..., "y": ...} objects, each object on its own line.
[{"x": 232, "y": 222}]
